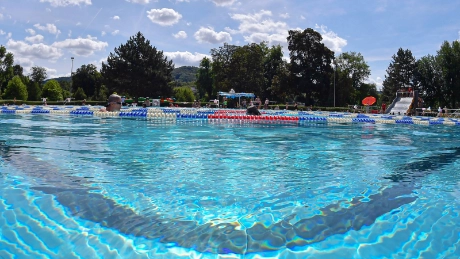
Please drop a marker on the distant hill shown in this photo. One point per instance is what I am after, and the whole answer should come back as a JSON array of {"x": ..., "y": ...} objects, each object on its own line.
[
  {"x": 59, "y": 79},
  {"x": 185, "y": 74}
]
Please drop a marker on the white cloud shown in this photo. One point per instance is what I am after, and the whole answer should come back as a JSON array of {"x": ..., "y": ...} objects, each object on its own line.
[
  {"x": 164, "y": 16},
  {"x": 210, "y": 36},
  {"x": 258, "y": 23},
  {"x": 9, "y": 35},
  {"x": 284, "y": 15},
  {"x": 1, "y": 16},
  {"x": 51, "y": 28},
  {"x": 41, "y": 51},
  {"x": 48, "y": 10},
  {"x": 223, "y": 2},
  {"x": 69, "y": 34},
  {"x": 185, "y": 58},
  {"x": 115, "y": 32},
  {"x": 24, "y": 62},
  {"x": 78, "y": 24},
  {"x": 331, "y": 40},
  {"x": 377, "y": 81},
  {"x": 81, "y": 46},
  {"x": 35, "y": 39},
  {"x": 56, "y": 3},
  {"x": 139, "y": 1},
  {"x": 50, "y": 71},
  {"x": 103, "y": 33},
  {"x": 2, "y": 32},
  {"x": 30, "y": 31},
  {"x": 180, "y": 35},
  {"x": 116, "y": 17},
  {"x": 302, "y": 17}
]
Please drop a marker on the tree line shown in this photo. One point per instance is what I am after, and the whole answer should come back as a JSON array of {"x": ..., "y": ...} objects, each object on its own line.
[{"x": 313, "y": 74}]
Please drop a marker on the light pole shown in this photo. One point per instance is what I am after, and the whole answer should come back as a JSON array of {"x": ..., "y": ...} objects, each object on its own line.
[
  {"x": 71, "y": 79},
  {"x": 335, "y": 66}
]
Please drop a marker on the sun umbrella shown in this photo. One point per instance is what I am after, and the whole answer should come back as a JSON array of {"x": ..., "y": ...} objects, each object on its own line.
[{"x": 369, "y": 100}]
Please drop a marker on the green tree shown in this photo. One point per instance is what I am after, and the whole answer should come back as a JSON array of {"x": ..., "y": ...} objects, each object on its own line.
[
  {"x": 34, "y": 91},
  {"x": 351, "y": 72},
  {"x": 246, "y": 70},
  {"x": 273, "y": 66},
  {"x": 310, "y": 65},
  {"x": 400, "y": 74},
  {"x": 183, "y": 94},
  {"x": 52, "y": 91},
  {"x": 138, "y": 69},
  {"x": 6, "y": 67},
  {"x": 16, "y": 89},
  {"x": 204, "y": 82},
  {"x": 80, "y": 94},
  {"x": 38, "y": 75},
  {"x": 221, "y": 62},
  {"x": 430, "y": 80},
  {"x": 87, "y": 78},
  {"x": 448, "y": 58}
]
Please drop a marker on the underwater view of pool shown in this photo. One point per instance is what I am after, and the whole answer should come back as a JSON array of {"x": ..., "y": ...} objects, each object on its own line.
[{"x": 92, "y": 187}]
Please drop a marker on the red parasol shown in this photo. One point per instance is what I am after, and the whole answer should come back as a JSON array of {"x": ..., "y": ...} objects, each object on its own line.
[{"x": 369, "y": 100}]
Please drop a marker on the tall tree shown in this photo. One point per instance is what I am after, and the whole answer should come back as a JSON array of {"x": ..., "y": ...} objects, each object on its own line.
[
  {"x": 38, "y": 75},
  {"x": 430, "y": 80},
  {"x": 246, "y": 71},
  {"x": 138, "y": 69},
  {"x": 310, "y": 64},
  {"x": 88, "y": 79},
  {"x": 204, "y": 78},
  {"x": 352, "y": 72},
  {"x": 449, "y": 60},
  {"x": 6, "y": 67},
  {"x": 221, "y": 62},
  {"x": 16, "y": 89},
  {"x": 273, "y": 63},
  {"x": 400, "y": 74}
]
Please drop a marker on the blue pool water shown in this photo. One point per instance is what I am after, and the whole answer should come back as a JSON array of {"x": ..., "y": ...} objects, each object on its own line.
[{"x": 73, "y": 187}]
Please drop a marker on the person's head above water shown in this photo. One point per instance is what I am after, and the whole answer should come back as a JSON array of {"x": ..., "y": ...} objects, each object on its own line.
[{"x": 113, "y": 103}]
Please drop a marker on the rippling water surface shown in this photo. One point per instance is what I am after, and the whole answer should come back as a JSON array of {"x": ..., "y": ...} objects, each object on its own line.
[{"x": 73, "y": 187}]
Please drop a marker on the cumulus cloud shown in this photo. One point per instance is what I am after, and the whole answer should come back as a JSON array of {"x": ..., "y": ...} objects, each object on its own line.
[
  {"x": 258, "y": 23},
  {"x": 185, "y": 58},
  {"x": 258, "y": 27},
  {"x": 284, "y": 15},
  {"x": 61, "y": 3},
  {"x": 116, "y": 17},
  {"x": 30, "y": 31},
  {"x": 24, "y": 62},
  {"x": 2, "y": 32},
  {"x": 51, "y": 28},
  {"x": 210, "y": 36},
  {"x": 164, "y": 16},
  {"x": 139, "y": 1},
  {"x": 180, "y": 35},
  {"x": 224, "y": 2},
  {"x": 9, "y": 35},
  {"x": 81, "y": 46},
  {"x": 35, "y": 39},
  {"x": 331, "y": 39},
  {"x": 115, "y": 32},
  {"x": 39, "y": 50}
]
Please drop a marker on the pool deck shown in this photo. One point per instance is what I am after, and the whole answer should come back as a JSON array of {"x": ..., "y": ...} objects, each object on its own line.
[{"x": 232, "y": 115}]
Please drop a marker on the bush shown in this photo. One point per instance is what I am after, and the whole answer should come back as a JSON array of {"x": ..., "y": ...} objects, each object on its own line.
[{"x": 184, "y": 94}]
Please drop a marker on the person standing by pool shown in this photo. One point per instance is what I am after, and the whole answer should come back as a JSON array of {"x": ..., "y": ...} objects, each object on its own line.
[{"x": 113, "y": 103}]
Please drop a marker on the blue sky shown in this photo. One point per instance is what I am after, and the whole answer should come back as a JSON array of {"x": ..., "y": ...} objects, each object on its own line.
[{"x": 48, "y": 33}]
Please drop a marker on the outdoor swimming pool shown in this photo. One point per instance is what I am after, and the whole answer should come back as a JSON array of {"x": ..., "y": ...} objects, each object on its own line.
[{"x": 90, "y": 187}]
